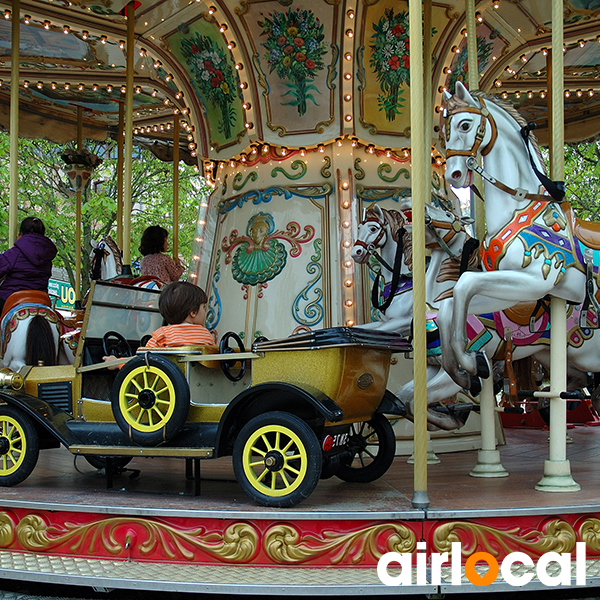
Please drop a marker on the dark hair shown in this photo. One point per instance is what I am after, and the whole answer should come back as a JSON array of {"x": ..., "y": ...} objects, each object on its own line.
[
  {"x": 32, "y": 225},
  {"x": 177, "y": 300},
  {"x": 153, "y": 240}
]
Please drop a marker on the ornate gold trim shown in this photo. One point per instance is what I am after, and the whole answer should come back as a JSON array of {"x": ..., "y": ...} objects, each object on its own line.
[
  {"x": 555, "y": 536},
  {"x": 118, "y": 536},
  {"x": 285, "y": 544}
]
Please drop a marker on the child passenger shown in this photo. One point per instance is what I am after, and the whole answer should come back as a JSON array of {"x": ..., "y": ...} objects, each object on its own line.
[{"x": 183, "y": 306}]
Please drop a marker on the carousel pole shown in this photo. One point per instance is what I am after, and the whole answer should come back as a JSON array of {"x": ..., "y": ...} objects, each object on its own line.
[
  {"x": 432, "y": 458},
  {"x": 176, "y": 187},
  {"x": 78, "y": 217},
  {"x": 128, "y": 141},
  {"x": 14, "y": 121},
  {"x": 120, "y": 175},
  {"x": 488, "y": 458},
  {"x": 477, "y": 209},
  {"x": 420, "y": 497},
  {"x": 557, "y": 469}
]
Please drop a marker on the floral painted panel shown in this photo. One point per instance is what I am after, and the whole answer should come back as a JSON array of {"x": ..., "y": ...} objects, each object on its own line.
[
  {"x": 201, "y": 48},
  {"x": 384, "y": 65},
  {"x": 489, "y": 44},
  {"x": 295, "y": 61}
]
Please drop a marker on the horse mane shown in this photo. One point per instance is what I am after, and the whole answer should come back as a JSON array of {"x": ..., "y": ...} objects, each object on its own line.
[
  {"x": 514, "y": 113},
  {"x": 450, "y": 271},
  {"x": 455, "y": 102},
  {"x": 116, "y": 253}
]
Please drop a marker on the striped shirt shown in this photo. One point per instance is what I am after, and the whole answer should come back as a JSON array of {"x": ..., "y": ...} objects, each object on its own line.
[{"x": 181, "y": 334}]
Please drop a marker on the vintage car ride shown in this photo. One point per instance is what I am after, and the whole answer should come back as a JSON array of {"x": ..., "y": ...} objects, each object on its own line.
[{"x": 290, "y": 411}]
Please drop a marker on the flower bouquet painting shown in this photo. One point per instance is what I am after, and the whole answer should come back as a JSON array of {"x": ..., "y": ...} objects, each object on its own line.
[
  {"x": 214, "y": 76},
  {"x": 295, "y": 45},
  {"x": 390, "y": 60},
  {"x": 80, "y": 166}
]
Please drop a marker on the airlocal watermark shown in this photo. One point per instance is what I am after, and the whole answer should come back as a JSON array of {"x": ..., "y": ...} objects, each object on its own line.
[{"x": 405, "y": 560}]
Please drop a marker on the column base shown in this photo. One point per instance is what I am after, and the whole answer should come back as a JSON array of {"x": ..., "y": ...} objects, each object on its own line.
[
  {"x": 432, "y": 458},
  {"x": 488, "y": 465},
  {"x": 557, "y": 477}
]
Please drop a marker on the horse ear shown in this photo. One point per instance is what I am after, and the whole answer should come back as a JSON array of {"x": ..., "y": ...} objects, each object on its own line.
[
  {"x": 466, "y": 220},
  {"x": 379, "y": 214},
  {"x": 446, "y": 95},
  {"x": 93, "y": 243},
  {"x": 462, "y": 93}
]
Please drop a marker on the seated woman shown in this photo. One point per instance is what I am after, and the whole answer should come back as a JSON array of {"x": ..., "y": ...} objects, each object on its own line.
[
  {"x": 156, "y": 264},
  {"x": 28, "y": 264}
]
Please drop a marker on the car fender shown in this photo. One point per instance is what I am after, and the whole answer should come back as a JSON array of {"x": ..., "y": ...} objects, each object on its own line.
[
  {"x": 48, "y": 417},
  {"x": 302, "y": 400}
]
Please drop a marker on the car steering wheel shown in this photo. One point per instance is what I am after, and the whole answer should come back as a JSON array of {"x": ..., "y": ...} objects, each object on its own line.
[
  {"x": 114, "y": 344},
  {"x": 227, "y": 365}
]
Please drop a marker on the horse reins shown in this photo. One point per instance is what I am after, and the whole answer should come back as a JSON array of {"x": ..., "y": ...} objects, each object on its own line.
[{"x": 554, "y": 188}]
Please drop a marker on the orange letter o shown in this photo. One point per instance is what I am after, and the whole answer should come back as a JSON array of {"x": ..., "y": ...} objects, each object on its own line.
[{"x": 473, "y": 576}]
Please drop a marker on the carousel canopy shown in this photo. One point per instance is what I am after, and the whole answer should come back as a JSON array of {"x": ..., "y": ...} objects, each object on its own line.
[{"x": 286, "y": 73}]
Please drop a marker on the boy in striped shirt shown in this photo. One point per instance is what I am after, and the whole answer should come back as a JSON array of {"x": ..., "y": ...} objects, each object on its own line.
[{"x": 183, "y": 306}]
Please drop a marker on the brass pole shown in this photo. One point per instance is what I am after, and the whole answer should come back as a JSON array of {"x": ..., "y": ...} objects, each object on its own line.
[
  {"x": 176, "y": 187},
  {"x": 78, "y": 216},
  {"x": 477, "y": 208},
  {"x": 120, "y": 175},
  {"x": 14, "y": 122},
  {"x": 127, "y": 200},
  {"x": 417, "y": 126}
]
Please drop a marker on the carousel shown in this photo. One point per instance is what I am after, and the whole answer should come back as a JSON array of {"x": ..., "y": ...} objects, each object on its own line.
[{"x": 381, "y": 233}]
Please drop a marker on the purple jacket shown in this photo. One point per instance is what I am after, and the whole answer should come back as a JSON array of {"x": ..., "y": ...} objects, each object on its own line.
[{"x": 27, "y": 265}]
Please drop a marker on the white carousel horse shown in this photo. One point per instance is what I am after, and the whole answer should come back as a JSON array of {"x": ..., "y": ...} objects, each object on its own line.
[
  {"x": 381, "y": 234},
  {"x": 375, "y": 235},
  {"x": 105, "y": 260},
  {"x": 106, "y": 265},
  {"x": 533, "y": 247},
  {"x": 449, "y": 243},
  {"x": 31, "y": 333},
  {"x": 488, "y": 331}
]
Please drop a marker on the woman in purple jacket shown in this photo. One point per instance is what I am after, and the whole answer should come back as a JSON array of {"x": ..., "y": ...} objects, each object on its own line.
[{"x": 28, "y": 264}]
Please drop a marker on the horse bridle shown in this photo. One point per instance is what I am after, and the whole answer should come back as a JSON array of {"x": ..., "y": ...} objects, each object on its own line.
[
  {"x": 100, "y": 253},
  {"x": 371, "y": 248},
  {"x": 485, "y": 116}
]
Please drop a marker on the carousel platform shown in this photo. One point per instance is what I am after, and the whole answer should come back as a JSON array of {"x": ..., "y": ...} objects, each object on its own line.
[{"x": 150, "y": 530}]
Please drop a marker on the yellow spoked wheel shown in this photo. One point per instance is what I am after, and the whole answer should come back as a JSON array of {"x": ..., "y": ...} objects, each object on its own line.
[
  {"x": 19, "y": 446},
  {"x": 277, "y": 459},
  {"x": 150, "y": 399}
]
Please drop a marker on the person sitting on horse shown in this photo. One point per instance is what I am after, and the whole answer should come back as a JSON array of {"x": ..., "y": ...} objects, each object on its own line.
[
  {"x": 156, "y": 264},
  {"x": 28, "y": 264},
  {"x": 183, "y": 306}
]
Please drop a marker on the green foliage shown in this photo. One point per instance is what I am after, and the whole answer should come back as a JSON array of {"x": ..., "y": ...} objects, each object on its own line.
[
  {"x": 582, "y": 178},
  {"x": 44, "y": 190}
]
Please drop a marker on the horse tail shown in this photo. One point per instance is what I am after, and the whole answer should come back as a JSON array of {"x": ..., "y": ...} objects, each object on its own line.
[{"x": 40, "y": 344}]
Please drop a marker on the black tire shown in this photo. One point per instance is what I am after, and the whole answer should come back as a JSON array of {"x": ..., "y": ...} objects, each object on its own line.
[
  {"x": 150, "y": 399},
  {"x": 99, "y": 462},
  {"x": 19, "y": 446},
  {"x": 281, "y": 448},
  {"x": 372, "y": 445}
]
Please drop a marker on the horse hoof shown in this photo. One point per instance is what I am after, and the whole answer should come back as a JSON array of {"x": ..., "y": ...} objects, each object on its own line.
[
  {"x": 475, "y": 386},
  {"x": 484, "y": 369},
  {"x": 461, "y": 411}
]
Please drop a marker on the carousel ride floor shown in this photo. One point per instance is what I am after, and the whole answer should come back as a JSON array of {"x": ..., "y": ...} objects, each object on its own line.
[{"x": 161, "y": 485}]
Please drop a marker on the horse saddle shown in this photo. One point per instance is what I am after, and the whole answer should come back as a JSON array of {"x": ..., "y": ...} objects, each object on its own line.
[
  {"x": 587, "y": 232},
  {"x": 25, "y": 296},
  {"x": 522, "y": 312}
]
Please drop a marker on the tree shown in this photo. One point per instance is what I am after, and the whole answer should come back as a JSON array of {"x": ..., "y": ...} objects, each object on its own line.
[
  {"x": 582, "y": 178},
  {"x": 43, "y": 189}
]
